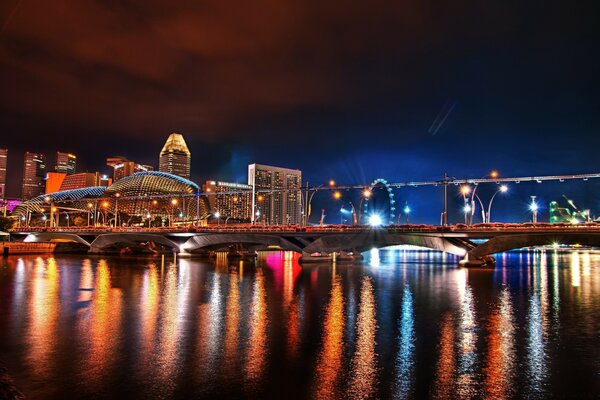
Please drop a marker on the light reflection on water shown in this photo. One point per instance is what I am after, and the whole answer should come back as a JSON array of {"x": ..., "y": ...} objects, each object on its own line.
[{"x": 404, "y": 324}]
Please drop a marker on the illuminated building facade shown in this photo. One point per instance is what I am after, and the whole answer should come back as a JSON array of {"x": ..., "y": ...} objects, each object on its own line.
[
  {"x": 123, "y": 167},
  {"x": 155, "y": 194},
  {"x": 65, "y": 163},
  {"x": 175, "y": 157},
  {"x": 34, "y": 172},
  {"x": 232, "y": 200},
  {"x": 3, "y": 161},
  {"x": 54, "y": 181},
  {"x": 83, "y": 180},
  {"x": 281, "y": 206}
]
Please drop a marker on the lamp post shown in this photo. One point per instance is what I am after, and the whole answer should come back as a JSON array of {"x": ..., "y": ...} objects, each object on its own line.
[
  {"x": 218, "y": 217},
  {"x": 534, "y": 209},
  {"x": 173, "y": 204},
  {"x": 494, "y": 175},
  {"x": 502, "y": 189},
  {"x": 365, "y": 195},
  {"x": 117, "y": 195},
  {"x": 407, "y": 211},
  {"x": 105, "y": 205},
  {"x": 89, "y": 205}
]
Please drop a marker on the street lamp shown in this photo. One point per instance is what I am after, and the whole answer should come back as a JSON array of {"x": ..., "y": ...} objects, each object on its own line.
[
  {"x": 502, "y": 189},
  {"x": 218, "y": 217},
  {"x": 534, "y": 209},
  {"x": 366, "y": 195},
  {"x": 173, "y": 204},
  {"x": 117, "y": 195},
  {"x": 89, "y": 205},
  {"x": 494, "y": 174},
  {"x": 407, "y": 212}
]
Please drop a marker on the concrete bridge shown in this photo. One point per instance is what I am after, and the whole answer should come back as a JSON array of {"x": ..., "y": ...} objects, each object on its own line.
[{"x": 474, "y": 244}]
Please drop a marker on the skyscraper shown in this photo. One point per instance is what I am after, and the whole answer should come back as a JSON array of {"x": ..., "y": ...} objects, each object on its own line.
[
  {"x": 123, "y": 167},
  {"x": 3, "y": 160},
  {"x": 175, "y": 157},
  {"x": 65, "y": 163},
  {"x": 277, "y": 196},
  {"x": 34, "y": 172}
]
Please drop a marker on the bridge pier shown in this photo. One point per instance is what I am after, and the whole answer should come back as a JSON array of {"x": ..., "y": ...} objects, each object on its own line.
[{"x": 483, "y": 261}]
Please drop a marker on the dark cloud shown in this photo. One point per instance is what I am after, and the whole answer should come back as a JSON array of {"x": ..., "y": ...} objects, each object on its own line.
[{"x": 309, "y": 84}]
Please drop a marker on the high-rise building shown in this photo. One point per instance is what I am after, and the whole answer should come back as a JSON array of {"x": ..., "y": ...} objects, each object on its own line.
[
  {"x": 34, "y": 172},
  {"x": 3, "y": 161},
  {"x": 277, "y": 196},
  {"x": 175, "y": 157},
  {"x": 65, "y": 163},
  {"x": 123, "y": 167},
  {"x": 232, "y": 200}
]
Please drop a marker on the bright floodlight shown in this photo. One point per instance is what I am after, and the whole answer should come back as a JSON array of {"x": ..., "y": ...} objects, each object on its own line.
[
  {"x": 533, "y": 207},
  {"x": 407, "y": 210},
  {"x": 503, "y": 188},
  {"x": 217, "y": 214},
  {"x": 465, "y": 189},
  {"x": 467, "y": 208},
  {"x": 375, "y": 220}
]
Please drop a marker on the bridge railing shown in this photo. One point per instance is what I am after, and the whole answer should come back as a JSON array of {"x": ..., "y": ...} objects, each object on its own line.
[{"x": 239, "y": 228}]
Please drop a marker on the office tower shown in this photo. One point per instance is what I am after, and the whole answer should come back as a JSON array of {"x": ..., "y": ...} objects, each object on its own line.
[
  {"x": 65, "y": 163},
  {"x": 277, "y": 196},
  {"x": 34, "y": 172},
  {"x": 175, "y": 157},
  {"x": 3, "y": 161},
  {"x": 123, "y": 167},
  {"x": 232, "y": 200}
]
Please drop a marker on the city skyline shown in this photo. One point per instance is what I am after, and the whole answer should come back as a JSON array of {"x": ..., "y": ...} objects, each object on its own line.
[{"x": 427, "y": 89}]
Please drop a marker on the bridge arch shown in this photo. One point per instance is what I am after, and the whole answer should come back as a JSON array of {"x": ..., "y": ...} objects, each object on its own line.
[
  {"x": 55, "y": 237},
  {"x": 375, "y": 239},
  {"x": 221, "y": 240},
  {"x": 380, "y": 182},
  {"x": 499, "y": 244},
  {"x": 107, "y": 241}
]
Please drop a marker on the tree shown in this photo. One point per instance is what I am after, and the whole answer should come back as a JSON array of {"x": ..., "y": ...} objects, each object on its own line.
[{"x": 6, "y": 223}]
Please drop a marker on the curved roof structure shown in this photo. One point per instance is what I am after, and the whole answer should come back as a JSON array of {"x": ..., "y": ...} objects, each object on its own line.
[
  {"x": 152, "y": 183},
  {"x": 136, "y": 194},
  {"x": 36, "y": 204}
]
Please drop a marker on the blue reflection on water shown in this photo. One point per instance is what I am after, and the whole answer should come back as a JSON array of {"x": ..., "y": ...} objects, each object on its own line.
[{"x": 406, "y": 346}]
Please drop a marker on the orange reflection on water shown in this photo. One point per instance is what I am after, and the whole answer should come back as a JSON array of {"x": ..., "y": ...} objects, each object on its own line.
[
  {"x": 329, "y": 364},
  {"x": 103, "y": 330},
  {"x": 232, "y": 326},
  {"x": 258, "y": 338},
  {"x": 150, "y": 298},
  {"x": 446, "y": 364},
  {"x": 500, "y": 361},
  {"x": 44, "y": 310},
  {"x": 364, "y": 368}
]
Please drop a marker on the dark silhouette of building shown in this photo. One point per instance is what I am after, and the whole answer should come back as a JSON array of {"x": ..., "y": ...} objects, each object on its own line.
[{"x": 34, "y": 173}]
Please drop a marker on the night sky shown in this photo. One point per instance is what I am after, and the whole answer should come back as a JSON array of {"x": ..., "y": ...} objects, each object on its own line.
[{"x": 403, "y": 90}]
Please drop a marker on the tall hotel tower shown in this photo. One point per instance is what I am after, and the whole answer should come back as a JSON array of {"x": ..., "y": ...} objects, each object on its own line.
[
  {"x": 3, "y": 160},
  {"x": 277, "y": 196},
  {"x": 34, "y": 172},
  {"x": 175, "y": 157}
]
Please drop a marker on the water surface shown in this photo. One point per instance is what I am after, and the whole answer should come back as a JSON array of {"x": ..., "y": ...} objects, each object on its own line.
[{"x": 405, "y": 324}]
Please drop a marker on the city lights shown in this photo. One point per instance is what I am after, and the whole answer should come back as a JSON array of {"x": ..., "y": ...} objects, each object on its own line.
[{"x": 375, "y": 220}]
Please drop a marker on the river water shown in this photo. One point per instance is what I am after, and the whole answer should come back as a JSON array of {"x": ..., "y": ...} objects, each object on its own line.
[{"x": 404, "y": 324}]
